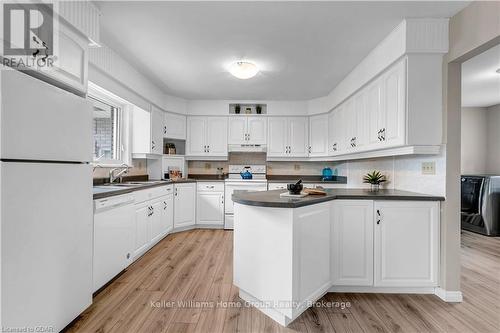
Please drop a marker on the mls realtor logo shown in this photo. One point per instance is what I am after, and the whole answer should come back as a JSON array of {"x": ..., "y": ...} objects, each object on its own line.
[{"x": 28, "y": 35}]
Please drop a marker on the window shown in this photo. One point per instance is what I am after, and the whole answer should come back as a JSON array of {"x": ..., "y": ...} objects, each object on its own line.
[
  {"x": 106, "y": 130},
  {"x": 110, "y": 121}
]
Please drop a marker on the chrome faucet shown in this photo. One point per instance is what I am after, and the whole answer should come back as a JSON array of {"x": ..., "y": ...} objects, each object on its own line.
[{"x": 123, "y": 170}]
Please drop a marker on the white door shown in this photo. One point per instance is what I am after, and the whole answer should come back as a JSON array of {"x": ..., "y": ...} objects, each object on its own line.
[
  {"x": 373, "y": 110},
  {"x": 257, "y": 130},
  {"x": 174, "y": 126},
  {"x": 237, "y": 130},
  {"x": 349, "y": 118},
  {"x": 360, "y": 121},
  {"x": 184, "y": 204},
  {"x": 352, "y": 243},
  {"x": 406, "y": 243},
  {"x": 394, "y": 106},
  {"x": 156, "y": 131},
  {"x": 318, "y": 135},
  {"x": 277, "y": 145},
  {"x": 210, "y": 208},
  {"x": 142, "y": 229},
  {"x": 167, "y": 214},
  {"x": 298, "y": 136},
  {"x": 156, "y": 221},
  {"x": 335, "y": 131},
  {"x": 42, "y": 122},
  {"x": 46, "y": 241},
  {"x": 195, "y": 143},
  {"x": 216, "y": 136}
]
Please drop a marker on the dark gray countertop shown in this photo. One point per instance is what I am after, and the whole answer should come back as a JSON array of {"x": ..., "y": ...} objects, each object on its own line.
[
  {"x": 104, "y": 191},
  {"x": 305, "y": 179},
  {"x": 273, "y": 199}
]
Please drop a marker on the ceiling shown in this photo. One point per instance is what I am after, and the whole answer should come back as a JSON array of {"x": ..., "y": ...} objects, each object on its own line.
[
  {"x": 304, "y": 49},
  {"x": 480, "y": 81}
]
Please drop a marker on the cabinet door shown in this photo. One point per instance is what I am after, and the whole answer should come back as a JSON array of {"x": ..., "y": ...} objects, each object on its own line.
[
  {"x": 406, "y": 243},
  {"x": 298, "y": 136},
  {"x": 393, "y": 112},
  {"x": 142, "y": 230},
  {"x": 184, "y": 204},
  {"x": 156, "y": 131},
  {"x": 174, "y": 126},
  {"x": 277, "y": 137},
  {"x": 237, "y": 130},
  {"x": 167, "y": 214},
  {"x": 210, "y": 208},
  {"x": 373, "y": 110},
  {"x": 352, "y": 243},
  {"x": 156, "y": 221},
  {"x": 335, "y": 131},
  {"x": 318, "y": 135},
  {"x": 349, "y": 122},
  {"x": 257, "y": 130},
  {"x": 216, "y": 136},
  {"x": 360, "y": 121},
  {"x": 195, "y": 143}
]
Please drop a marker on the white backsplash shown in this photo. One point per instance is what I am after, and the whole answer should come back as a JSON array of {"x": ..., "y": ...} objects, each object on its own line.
[{"x": 402, "y": 172}]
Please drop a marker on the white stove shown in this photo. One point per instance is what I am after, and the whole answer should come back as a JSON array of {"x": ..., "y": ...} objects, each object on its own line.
[{"x": 235, "y": 182}]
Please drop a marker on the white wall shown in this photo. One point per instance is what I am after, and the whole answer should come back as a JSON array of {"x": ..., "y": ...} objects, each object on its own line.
[
  {"x": 474, "y": 140},
  {"x": 493, "y": 140}
]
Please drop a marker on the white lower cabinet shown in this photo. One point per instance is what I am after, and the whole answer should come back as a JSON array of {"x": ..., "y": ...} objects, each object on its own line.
[
  {"x": 210, "y": 204},
  {"x": 406, "y": 243},
  {"x": 385, "y": 243},
  {"x": 184, "y": 205},
  {"x": 352, "y": 242},
  {"x": 153, "y": 217}
]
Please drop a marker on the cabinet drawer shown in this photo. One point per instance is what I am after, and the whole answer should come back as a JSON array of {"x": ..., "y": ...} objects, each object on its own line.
[
  {"x": 152, "y": 193},
  {"x": 210, "y": 186}
]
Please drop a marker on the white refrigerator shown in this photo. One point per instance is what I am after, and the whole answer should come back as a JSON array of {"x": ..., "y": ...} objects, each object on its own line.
[{"x": 45, "y": 203}]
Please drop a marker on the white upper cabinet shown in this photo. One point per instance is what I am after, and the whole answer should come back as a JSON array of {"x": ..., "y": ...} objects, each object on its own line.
[
  {"x": 156, "y": 131},
  {"x": 257, "y": 130},
  {"x": 288, "y": 137},
  {"x": 174, "y": 126},
  {"x": 406, "y": 243},
  {"x": 147, "y": 131},
  {"x": 336, "y": 132},
  {"x": 207, "y": 136},
  {"x": 247, "y": 130},
  {"x": 318, "y": 135},
  {"x": 393, "y": 113},
  {"x": 277, "y": 137}
]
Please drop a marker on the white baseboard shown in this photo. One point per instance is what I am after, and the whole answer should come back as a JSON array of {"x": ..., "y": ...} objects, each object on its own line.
[
  {"x": 448, "y": 295},
  {"x": 268, "y": 311},
  {"x": 382, "y": 290}
]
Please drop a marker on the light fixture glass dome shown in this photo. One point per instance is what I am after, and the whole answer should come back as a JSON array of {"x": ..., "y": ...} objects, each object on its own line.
[{"x": 243, "y": 69}]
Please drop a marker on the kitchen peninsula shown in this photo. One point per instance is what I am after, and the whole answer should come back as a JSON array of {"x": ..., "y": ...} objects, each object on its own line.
[{"x": 289, "y": 252}]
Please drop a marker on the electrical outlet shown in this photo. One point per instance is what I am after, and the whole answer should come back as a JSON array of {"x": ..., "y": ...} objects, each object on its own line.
[
  {"x": 208, "y": 166},
  {"x": 429, "y": 168},
  {"x": 296, "y": 167}
]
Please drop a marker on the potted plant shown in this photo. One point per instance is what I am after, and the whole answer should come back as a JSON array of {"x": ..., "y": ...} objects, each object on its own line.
[
  {"x": 237, "y": 109},
  {"x": 374, "y": 178}
]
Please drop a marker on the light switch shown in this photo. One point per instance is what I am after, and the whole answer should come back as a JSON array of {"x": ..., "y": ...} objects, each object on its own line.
[{"x": 429, "y": 168}]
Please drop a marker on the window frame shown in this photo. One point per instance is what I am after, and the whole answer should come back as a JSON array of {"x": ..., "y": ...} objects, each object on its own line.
[{"x": 102, "y": 95}]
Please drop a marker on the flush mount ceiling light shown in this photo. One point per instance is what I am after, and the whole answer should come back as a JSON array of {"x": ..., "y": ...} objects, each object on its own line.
[{"x": 243, "y": 69}]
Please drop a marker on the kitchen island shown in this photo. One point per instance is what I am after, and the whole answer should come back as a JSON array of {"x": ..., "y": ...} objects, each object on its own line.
[{"x": 288, "y": 252}]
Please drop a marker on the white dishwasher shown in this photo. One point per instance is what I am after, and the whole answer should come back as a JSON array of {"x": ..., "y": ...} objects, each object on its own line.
[{"x": 114, "y": 224}]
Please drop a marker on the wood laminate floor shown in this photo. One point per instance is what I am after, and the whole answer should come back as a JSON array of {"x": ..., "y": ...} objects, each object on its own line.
[{"x": 196, "y": 265}]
